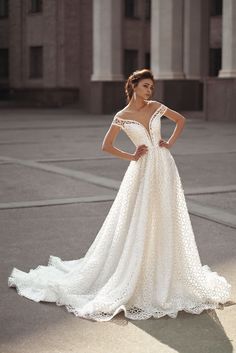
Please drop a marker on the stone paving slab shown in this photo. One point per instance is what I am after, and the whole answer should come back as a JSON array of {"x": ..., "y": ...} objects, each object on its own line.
[
  {"x": 60, "y": 149},
  {"x": 111, "y": 168},
  {"x": 52, "y": 135},
  {"x": 209, "y": 332},
  {"x": 20, "y": 183},
  {"x": 227, "y": 203}
]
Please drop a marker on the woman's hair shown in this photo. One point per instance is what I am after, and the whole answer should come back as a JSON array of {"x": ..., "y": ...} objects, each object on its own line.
[{"x": 134, "y": 79}]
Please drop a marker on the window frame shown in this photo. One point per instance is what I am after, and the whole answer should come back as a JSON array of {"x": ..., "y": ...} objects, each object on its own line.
[
  {"x": 134, "y": 15},
  {"x": 38, "y": 9},
  {"x": 5, "y": 76},
  {"x": 35, "y": 68},
  {"x": 128, "y": 70},
  {"x": 6, "y": 8}
]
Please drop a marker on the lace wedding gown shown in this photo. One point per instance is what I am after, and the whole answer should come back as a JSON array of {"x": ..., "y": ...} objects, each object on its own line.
[{"x": 144, "y": 259}]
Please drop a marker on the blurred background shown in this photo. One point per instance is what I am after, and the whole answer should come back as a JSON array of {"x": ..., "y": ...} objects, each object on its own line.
[{"x": 79, "y": 52}]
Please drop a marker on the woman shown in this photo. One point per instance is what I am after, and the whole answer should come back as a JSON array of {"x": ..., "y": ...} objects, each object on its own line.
[{"x": 144, "y": 259}]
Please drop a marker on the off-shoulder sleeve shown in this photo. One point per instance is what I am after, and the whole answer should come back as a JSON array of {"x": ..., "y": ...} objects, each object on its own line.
[
  {"x": 117, "y": 121},
  {"x": 163, "y": 109}
]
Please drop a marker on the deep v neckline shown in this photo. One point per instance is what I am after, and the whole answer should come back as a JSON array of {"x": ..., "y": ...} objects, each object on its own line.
[{"x": 148, "y": 131}]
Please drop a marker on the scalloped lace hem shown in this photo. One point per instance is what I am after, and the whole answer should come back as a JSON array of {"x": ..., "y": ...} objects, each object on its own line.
[
  {"x": 135, "y": 313},
  {"x": 130, "y": 312}
]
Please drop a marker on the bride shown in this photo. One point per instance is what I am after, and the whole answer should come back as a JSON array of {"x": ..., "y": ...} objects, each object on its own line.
[{"x": 144, "y": 259}]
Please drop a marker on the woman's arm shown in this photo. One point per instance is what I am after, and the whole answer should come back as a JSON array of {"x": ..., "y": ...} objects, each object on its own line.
[
  {"x": 180, "y": 122},
  {"x": 108, "y": 141}
]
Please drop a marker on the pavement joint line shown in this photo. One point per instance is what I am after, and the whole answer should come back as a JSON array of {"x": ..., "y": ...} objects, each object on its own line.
[
  {"x": 11, "y": 143},
  {"x": 210, "y": 213},
  {"x": 87, "y": 177},
  {"x": 55, "y": 202},
  {"x": 61, "y": 160},
  {"x": 73, "y": 159},
  {"x": 51, "y": 127},
  {"x": 204, "y": 190}
]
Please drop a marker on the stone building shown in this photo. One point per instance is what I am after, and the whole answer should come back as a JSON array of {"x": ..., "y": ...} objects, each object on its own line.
[{"x": 57, "y": 52}]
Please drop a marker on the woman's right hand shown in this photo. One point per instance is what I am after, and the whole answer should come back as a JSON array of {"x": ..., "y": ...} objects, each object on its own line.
[{"x": 140, "y": 150}]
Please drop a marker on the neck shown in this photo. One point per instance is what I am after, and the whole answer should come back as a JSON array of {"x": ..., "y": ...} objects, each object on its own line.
[{"x": 137, "y": 104}]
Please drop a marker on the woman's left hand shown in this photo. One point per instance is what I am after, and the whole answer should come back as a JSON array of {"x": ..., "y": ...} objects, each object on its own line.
[{"x": 163, "y": 143}]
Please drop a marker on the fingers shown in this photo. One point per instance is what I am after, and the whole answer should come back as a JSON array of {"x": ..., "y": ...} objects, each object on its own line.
[
  {"x": 141, "y": 150},
  {"x": 162, "y": 143},
  {"x": 142, "y": 147}
]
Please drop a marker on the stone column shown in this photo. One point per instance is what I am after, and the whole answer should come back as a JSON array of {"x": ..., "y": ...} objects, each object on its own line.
[
  {"x": 193, "y": 39},
  {"x": 229, "y": 39},
  {"x": 107, "y": 41},
  {"x": 167, "y": 39}
]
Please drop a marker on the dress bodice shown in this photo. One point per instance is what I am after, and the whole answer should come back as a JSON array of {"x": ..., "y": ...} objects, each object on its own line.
[{"x": 138, "y": 133}]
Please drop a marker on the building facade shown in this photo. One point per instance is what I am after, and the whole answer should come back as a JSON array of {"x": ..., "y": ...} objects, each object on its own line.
[{"x": 57, "y": 52}]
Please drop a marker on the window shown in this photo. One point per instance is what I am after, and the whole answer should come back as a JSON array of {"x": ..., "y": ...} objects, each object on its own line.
[
  {"x": 147, "y": 60},
  {"x": 36, "y": 62},
  {"x": 148, "y": 9},
  {"x": 215, "y": 61},
  {"x": 216, "y": 7},
  {"x": 4, "y": 63},
  {"x": 131, "y": 8},
  {"x": 36, "y": 6},
  {"x": 130, "y": 61},
  {"x": 3, "y": 8}
]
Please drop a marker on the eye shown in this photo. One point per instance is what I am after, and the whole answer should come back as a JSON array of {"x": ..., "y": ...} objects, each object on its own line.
[{"x": 147, "y": 86}]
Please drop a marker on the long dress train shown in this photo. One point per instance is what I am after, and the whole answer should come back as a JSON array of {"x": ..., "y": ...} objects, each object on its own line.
[{"x": 144, "y": 259}]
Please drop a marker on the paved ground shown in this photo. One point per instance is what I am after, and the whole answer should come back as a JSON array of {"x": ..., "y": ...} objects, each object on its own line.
[{"x": 56, "y": 187}]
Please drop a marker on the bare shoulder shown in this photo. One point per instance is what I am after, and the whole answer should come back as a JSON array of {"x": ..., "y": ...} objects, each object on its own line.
[
  {"x": 123, "y": 113},
  {"x": 155, "y": 104},
  {"x": 127, "y": 113}
]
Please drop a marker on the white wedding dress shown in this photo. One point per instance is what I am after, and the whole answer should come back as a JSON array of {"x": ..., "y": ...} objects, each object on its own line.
[{"x": 144, "y": 259}]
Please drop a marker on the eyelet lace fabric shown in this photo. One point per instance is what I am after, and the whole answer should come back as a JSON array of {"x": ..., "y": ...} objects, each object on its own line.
[{"x": 144, "y": 259}]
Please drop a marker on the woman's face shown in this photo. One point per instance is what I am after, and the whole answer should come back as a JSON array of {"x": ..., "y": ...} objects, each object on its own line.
[{"x": 144, "y": 88}]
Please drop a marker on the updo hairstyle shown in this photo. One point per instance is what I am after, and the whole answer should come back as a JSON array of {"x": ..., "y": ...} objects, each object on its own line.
[{"x": 134, "y": 79}]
